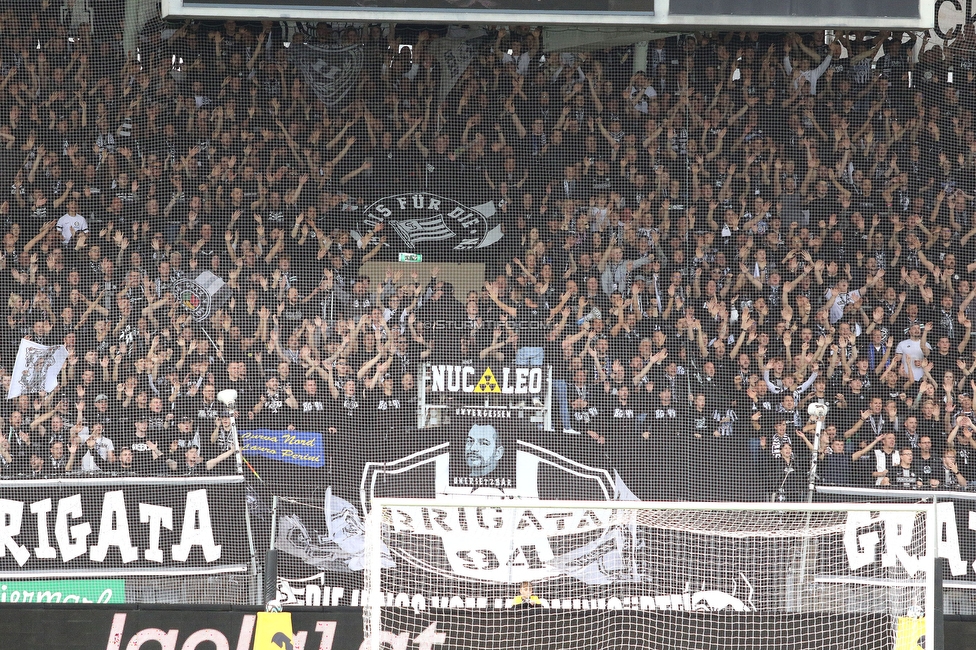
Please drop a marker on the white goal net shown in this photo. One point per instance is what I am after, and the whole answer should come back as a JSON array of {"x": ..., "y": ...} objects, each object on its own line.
[{"x": 511, "y": 574}]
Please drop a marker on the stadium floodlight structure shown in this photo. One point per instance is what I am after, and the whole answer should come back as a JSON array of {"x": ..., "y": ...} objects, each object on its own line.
[{"x": 649, "y": 575}]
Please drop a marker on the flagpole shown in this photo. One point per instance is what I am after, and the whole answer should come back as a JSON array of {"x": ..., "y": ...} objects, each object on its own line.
[
  {"x": 201, "y": 295},
  {"x": 228, "y": 397},
  {"x": 220, "y": 354}
]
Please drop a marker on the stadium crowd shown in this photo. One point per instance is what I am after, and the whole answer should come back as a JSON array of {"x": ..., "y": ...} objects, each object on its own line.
[{"x": 699, "y": 250}]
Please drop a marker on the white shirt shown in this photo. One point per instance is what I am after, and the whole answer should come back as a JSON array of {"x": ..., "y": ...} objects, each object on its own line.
[
  {"x": 912, "y": 351},
  {"x": 881, "y": 459},
  {"x": 102, "y": 447},
  {"x": 69, "y": 222},
  {"x": 844, "y": 299},
  {"x": 810, "y": 75}
]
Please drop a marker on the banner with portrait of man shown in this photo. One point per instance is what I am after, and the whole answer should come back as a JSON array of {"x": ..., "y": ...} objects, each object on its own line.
[
  {"x": 36, "y": 369},
  {"x": 482, "y": 455}
]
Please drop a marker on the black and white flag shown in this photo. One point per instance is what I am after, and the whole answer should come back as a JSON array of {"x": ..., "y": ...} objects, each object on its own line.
[
  {"x": 37, "y": 368},
  {"x": 331, "y": 71},
  {"x": 431, "y": 221},
  {"x": 201, "y": 294},
  {"x": 454, "y": 56},
  {"x": 414, "y": 231}
]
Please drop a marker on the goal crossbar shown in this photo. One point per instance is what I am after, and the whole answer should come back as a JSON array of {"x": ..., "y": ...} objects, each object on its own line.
[{"x": 802, "y": 522}]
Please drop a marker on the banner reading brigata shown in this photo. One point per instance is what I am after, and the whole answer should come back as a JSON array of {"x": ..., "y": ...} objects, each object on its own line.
[{"x": 93, "y": 527}]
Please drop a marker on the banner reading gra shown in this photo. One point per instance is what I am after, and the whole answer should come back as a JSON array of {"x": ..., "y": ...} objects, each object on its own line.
[
  {"x": 956, "y": 541},
  {"x": 102, "y": 527}
]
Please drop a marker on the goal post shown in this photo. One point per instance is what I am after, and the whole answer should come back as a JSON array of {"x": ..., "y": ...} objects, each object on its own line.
[{"x": 648, "y": 575}]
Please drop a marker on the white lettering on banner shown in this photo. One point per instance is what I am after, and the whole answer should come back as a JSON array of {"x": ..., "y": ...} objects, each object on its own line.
[
  {"x": 197, "y": 509},
  {"x": 71, "y": 541},
  {"x": 972, "y": 526},
  {"x": 155, "y": 516},
  {"x": 862, "y": 536},
  {"x": 949, "y": 537},
  {"x": 522, "y": 380},
  {"x": 426, "y": 640},
  {"x": 899, "y": 529},
  {"x": 308, "y": 592},
  {"x": 168, "y": 639},
  {"x": 950, "y": 15},
  {"x": 113, "y": 530},
  {"x": 421, "y": 519},
  {"x": 483, "y": 414},
  {"x": 44, "y": 550},
  {"x": 117, "y": 534},
  {"x": 488, "y": 543},
  {"x": 861, "y": 547},
  {"x": 11, "y": 517}
]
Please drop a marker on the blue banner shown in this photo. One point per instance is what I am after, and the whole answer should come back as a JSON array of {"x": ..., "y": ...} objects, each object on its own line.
[{"x": 297, "y": 447}]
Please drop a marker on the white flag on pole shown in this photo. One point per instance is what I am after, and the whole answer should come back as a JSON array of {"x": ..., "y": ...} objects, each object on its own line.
[
  {"x": 454, "y": 55},
  {"x": 37, "y": 368}
]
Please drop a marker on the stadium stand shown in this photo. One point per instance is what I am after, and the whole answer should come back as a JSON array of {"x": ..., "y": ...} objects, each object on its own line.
[{"x": 698, "y": 250}]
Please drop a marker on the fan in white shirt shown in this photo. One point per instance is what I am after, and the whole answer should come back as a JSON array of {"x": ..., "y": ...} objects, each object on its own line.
[{"x": 71, "y": 223}]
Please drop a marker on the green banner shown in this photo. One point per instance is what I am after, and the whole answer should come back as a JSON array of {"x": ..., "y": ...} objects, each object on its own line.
[{"x": 62, "y": 591}]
